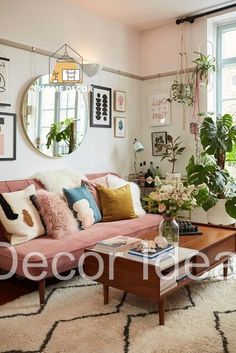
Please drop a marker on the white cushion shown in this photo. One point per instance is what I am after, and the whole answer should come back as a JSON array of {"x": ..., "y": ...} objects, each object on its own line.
[
  {"x": 19, "y": 216},
  {"x": 56, "y": 180},
  {"x": 115, "y": 182}
]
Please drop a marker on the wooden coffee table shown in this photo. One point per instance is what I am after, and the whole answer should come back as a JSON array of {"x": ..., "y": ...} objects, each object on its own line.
[{"x": 128, "y": 273}]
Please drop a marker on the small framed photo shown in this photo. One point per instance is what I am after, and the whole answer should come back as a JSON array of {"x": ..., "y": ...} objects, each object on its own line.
[
  {"x": 120, "y": 101},
  {"x": 119, "y": 127},
  {"x": 159, "y": 140},
  {"x": 7, "y": 137},
  {"x": 100, "y": 107},
  {"x": 4, "y": 83}
]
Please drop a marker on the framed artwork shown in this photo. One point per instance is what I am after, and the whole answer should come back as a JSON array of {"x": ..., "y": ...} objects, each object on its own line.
[
  {"x": 100, "y": 107},
  {"x": 7, "y": 137},
  {"x": 120, "y": 101},
  {"x": 159, "y": 108},
  {"x": 119, "y": 126},
  {"x": 4, "y": 63},
  {"x": 159, "y": 139}
]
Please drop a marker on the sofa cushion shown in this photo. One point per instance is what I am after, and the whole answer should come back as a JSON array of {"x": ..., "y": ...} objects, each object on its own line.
[
  {"x": 92, "y": 185},
  {"x": 56, "y": 180},
  {"x": 19, "y": 216},
  {"x": 58, "y": 219},
  {"x": 82, "y": 203},
  {"x": 116, "y": 204},
  {"x": 115, "y": 182}
]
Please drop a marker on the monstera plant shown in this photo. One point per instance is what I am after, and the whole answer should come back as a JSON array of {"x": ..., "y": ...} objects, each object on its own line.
[{"x": 218, "y": 137}]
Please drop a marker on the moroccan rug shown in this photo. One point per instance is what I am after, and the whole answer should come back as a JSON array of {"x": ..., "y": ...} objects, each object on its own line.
[{"x": 199, "y": 318}]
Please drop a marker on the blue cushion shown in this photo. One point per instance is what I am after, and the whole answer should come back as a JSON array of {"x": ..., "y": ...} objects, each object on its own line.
[{"x": 83, "y": 204}]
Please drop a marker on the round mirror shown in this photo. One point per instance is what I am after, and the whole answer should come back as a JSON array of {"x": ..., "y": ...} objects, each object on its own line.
[{"x": 54, "y": 117}]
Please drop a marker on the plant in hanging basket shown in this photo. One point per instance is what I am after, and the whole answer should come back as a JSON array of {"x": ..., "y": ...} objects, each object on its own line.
[
  {"x": 205, "y": 64},
  {"x": 182, "y": 92}
]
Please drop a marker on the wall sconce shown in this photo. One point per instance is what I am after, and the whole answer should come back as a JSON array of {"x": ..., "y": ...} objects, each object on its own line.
[
  {"x": 138, "y": 147},
  {"x": 68, "y": 69},
  {"x": 92, "y": 69}
]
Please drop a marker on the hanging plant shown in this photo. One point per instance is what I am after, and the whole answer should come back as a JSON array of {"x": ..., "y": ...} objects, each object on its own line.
[
  {"x": 182, "y": 92},
  {"x": 205, "y": 64}
]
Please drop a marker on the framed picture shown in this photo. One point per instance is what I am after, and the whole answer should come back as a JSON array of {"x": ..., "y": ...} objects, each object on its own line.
[
  {"x": 158, "y": 143},
  {"x": 100, "y": 107},
  {"x": 119, "y": 126},
  {"x": 159, "y": 108},
  {"x": 120, "y": 101},
  {"x": 7, "y": 137},
  {"x": 4, "y": 63}
]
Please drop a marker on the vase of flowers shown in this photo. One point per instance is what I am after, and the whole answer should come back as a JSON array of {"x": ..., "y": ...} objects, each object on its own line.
[
  {"x": 168, "y": 200},
  {"x": 169, "y": 229}
]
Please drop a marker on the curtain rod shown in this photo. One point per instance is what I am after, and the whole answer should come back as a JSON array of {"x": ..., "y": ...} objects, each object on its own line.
[{"x": 191, "y": 19}]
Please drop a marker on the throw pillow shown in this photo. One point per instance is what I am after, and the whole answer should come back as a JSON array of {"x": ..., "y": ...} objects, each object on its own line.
[
  {"x": 115, "y": 182},
  {"x": 58, "y": 219},
  {"x": 92, "y": 186},
  {"x": 19, "y": 216},
  {"x": 56, "y": 180},
  {"x": 116, "y": 203},
  {"x": 82, "y": 203}
]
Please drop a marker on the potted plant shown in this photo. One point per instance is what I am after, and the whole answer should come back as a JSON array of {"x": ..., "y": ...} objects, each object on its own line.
[
  {"x": 63, "y": 131},
  {"x": 173, "y": 150},
  {"x": 182, "y": 93},
  {"x": 205, "y": 64},
  {"x": 218, "y": 137}
]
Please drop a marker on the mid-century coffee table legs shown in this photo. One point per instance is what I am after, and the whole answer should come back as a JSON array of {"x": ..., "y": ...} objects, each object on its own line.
[
  {"x": 162, "y": 312},
  {"x": 106, "y": 294}
]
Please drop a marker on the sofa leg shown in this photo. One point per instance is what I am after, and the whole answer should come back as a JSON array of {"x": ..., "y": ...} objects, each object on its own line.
[{"x": 42, "y": 291}]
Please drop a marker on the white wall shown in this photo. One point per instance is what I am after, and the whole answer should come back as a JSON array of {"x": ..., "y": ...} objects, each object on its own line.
[
  {"x": 48, "y": 25},
  {"x": 160, "y": 54}
]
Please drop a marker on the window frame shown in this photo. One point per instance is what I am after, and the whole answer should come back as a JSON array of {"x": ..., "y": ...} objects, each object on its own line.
[{"x": 222, "y": 62}]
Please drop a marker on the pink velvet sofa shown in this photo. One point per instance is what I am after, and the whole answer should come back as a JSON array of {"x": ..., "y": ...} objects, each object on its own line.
[{"x": 74, "y": 244}]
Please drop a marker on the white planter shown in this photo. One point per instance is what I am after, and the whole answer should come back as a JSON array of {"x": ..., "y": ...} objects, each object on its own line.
[
  {"x": 173, "y": 178},
  {"x": 217, "y": 215}
]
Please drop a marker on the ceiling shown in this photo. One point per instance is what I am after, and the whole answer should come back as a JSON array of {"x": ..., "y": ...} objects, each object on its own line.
[{"x": 144, "y": 14}]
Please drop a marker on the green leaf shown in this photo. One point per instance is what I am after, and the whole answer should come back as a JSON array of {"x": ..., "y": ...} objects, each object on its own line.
[{"x": 230, "y": 207}]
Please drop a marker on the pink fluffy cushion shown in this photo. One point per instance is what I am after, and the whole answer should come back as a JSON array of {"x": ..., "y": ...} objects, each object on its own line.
[
  {"x": 56, "y": 215},
  {"x": 92, "y": 186}
]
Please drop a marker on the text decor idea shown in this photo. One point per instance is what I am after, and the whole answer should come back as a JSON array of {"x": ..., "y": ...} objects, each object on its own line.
[
  {"x": 100, "y": 107},
  {"x": 120, "y": 101},
  {"x": 7, "y": 136},
  {"x": 4, "y": 62},
  {"x": 159, "y": 108},
  {"x": 119, "y": 126}
]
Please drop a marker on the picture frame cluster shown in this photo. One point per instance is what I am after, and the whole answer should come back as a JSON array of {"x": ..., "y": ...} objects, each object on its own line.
[{"x": 101, "y": 109}]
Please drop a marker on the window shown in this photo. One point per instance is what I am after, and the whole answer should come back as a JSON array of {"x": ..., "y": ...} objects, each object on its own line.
[
  {"x": 226, "y": 78},
  {"x": 226, "y": 59}
]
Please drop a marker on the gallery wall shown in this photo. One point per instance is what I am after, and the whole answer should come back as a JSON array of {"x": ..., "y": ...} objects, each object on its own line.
[{"x": 48, "y": 25}]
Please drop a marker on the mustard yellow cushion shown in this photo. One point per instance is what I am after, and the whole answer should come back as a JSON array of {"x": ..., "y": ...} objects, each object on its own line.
[{"x": 116, "y": 204}]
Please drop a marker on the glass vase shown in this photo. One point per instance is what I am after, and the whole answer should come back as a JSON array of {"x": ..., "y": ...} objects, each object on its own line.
[{"x": 169, "y": 229}]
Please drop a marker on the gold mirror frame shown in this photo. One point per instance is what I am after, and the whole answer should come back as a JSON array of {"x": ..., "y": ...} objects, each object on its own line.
[{"x": 79, "y": 121}]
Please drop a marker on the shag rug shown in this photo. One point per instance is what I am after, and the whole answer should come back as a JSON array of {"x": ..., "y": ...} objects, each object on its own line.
[{"x": 200, "y": 318}]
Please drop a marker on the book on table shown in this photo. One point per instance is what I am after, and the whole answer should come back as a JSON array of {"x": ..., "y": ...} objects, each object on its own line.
[
  {"x": 118, "y": 244},
  {"x": 150, "y": 254}
]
